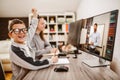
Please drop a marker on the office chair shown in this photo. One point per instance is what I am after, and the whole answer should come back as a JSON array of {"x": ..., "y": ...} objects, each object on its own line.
[{"x": 2, "y": 74}]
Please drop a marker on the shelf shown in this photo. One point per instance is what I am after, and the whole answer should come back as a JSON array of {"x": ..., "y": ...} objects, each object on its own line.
[
  {"x": 52, "y": 40},
  {"x": 109, "y": 45},
  {"x": 108, "y": 51},
  {"x": 61, "y": 32},
  {"x": 52, "y": 19},
  {"x": 61, "y": 40},
  {"x": 60, "y": 19},
  {"x": 111, "y": 34},
  {"x": 112, "y": 25},
  {"x": 45, "y": 33},
  {"x": 52, "y": 23},
  {"x": 112, "y": 28},
  {"x": 45, "y": 17},
  {"x": 52, "y": 32}
]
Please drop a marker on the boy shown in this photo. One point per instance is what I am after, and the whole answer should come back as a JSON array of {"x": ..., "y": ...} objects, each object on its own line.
[{"x": 23, "y": 58}]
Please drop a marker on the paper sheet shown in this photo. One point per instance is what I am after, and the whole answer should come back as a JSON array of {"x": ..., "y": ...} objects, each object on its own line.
[{"x": 62, "y": 61}]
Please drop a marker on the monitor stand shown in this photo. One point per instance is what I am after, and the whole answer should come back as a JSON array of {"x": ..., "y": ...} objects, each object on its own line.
[
  {"x": 75, "y": 57},
  {"x": 76, "y": 52},
  {"x": 96, "y": 62}
]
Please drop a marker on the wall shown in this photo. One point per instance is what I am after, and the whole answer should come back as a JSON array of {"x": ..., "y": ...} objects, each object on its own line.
[
  {"x": 89, "y": 8},
  {"x": 21, "y": 8}
]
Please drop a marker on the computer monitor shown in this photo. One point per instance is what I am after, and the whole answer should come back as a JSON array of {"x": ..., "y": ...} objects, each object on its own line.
[
  {"x": 106, "y": 29},
  {"x": 74, "y": 34}
]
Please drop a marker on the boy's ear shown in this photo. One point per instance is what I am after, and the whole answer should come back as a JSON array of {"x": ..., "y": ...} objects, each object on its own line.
[{"x": 10, "y": 35}]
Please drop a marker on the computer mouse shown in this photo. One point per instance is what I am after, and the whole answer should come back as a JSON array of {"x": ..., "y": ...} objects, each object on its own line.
[{"x": 61, "y": 69}]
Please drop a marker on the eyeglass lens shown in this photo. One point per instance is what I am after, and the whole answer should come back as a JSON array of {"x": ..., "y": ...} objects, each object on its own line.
[{"x": 16, "y": 31}]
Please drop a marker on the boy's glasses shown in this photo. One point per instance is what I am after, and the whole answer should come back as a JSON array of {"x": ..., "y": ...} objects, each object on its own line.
[{"x": 17, "y": 31}]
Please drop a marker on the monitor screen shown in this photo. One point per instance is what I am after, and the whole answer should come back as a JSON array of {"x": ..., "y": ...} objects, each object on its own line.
[{"x": 100, "y": 33}]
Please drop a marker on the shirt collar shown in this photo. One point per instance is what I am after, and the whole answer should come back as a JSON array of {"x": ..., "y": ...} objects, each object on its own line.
[{"x": 19, "y": 45}]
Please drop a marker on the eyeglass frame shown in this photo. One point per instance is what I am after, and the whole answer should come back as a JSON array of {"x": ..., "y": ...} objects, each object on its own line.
[{"x": 24, "y": 30}]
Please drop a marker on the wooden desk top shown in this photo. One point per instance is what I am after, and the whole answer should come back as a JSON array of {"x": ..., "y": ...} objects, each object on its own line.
[{"x": 77, "y": 71}]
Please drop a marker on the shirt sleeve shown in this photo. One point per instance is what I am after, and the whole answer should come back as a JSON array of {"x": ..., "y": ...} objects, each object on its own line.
[
  {"x": 47, "y": 48},
  {"x": 31, "y": 30},
  {"x": 19, "y": 58}
]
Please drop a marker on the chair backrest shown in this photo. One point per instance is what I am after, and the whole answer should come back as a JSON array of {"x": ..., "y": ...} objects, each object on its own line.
[
  {"x": 115, "y": 66},
  {"x": 2, "y": 74},
  {"x": 4, "y": 46}
]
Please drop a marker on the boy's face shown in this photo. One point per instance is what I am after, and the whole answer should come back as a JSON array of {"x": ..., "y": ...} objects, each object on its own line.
[{"x": 18, "y": 33}]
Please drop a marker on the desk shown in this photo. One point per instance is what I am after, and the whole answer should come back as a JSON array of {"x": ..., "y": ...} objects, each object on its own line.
[{"x": 77, "y": 71}]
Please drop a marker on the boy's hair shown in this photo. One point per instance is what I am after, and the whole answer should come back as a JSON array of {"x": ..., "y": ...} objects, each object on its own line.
[{"x": 14, "y": 21}]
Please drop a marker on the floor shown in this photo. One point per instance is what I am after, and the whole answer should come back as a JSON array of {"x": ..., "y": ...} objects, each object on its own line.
[{"x": 8, "y": 75}]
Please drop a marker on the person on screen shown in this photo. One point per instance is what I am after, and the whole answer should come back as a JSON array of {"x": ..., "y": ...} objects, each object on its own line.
[
  {"x": 94, "y": 39},
  {"x": 21, "y": 56},
  {"x": 36, "y": 38}
]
